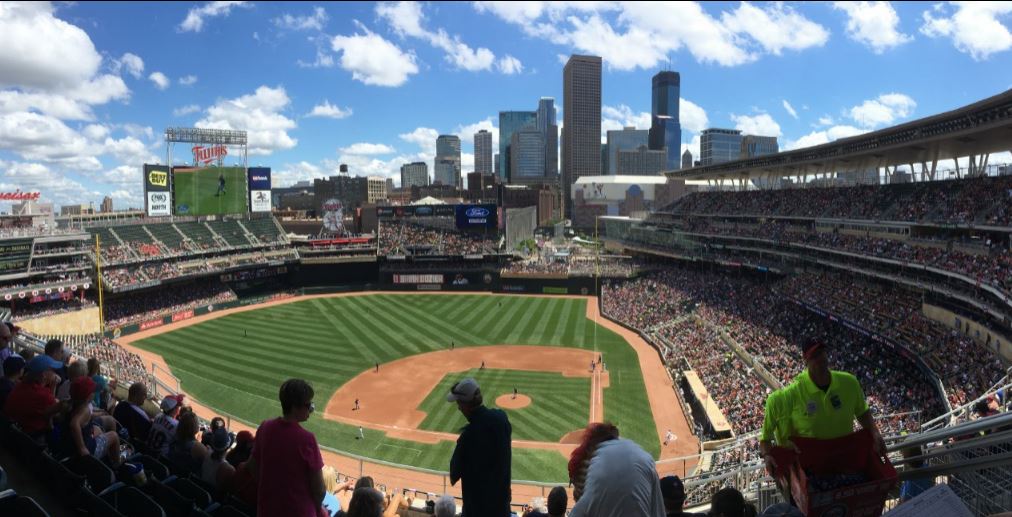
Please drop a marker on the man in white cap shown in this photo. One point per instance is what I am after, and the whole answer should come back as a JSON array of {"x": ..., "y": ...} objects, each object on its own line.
[{"x": 483, "y": 455}]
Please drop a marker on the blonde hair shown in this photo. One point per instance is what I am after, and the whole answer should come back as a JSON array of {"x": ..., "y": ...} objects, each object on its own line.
[{"x": 330, "y": 478}]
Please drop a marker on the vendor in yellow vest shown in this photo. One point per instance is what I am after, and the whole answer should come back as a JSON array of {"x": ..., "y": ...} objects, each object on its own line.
[{"x": 819, "y": 403}]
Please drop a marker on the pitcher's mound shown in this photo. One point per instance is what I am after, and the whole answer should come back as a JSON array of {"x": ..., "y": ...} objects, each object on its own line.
[
  {"x": 573, "y": 437},
  {"x": 508, "y": 402}
]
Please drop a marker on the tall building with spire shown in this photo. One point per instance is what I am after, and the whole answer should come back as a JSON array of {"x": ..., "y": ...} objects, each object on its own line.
[{"x": 665, "y": 127}]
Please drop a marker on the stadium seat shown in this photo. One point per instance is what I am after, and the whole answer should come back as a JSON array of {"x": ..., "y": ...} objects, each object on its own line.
[
  {"x": 153, "y": 468},
  {"x": 228, "y": 511},
  {"x": 3, "y": 479},
  {"x": 25, "y": 448},
  {"x": 66, "y": 481},
  {"x": 92, "y": 505},
  {"x": 239, "y": 505},
  {"x": 132, "y": 502},
  {"x": 99, "y": 476},
  {"x": 188, "y": 489},
  {"x": 13, "y": 504},
  {"x": 174, "y": 504}
]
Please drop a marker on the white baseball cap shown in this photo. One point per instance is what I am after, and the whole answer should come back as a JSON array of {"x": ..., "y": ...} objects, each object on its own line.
[{"x": 464, "y": 391}]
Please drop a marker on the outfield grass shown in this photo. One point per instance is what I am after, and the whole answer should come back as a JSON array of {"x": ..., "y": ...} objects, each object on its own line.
[
  {"x": 327, "y": 341},
  {"x": 195, "y": 191},
  {"x": 558, "y": 404}
]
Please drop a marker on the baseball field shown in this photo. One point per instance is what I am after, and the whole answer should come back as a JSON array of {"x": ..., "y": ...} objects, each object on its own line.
[
  {"x": 199, "y": 191},
  {"x": 541, "y": 346}
]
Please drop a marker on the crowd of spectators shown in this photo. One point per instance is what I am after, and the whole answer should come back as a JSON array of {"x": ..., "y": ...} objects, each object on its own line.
[
  {"x": 32, "y": 311},
  {"x": 966, "y": 368},
  {"x": 408, "y": 238},
  {"x": 993, "y": 267},
  {"x": 129, "y": 309},
  {"x": 983, "y": 200},
  {"x": 763, "y": 318},
  {"x": 127, "y": 275}
]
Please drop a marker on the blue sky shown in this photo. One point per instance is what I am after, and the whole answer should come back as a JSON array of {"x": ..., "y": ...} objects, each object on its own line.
[{"x": 86, "y": 89}]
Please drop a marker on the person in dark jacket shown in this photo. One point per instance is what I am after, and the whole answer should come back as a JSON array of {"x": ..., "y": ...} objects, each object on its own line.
[{"x": 483, "y": 454}]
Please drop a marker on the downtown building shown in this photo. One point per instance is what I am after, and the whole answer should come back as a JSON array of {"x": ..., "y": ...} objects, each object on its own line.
[
  {"x": 581, "y": 127},
  {"x": 446, "y": 166},
  {"x": 665, "y": 126}
]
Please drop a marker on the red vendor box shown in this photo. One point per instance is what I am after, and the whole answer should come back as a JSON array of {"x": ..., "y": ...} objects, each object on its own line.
[{"x": 854, "y": 453}]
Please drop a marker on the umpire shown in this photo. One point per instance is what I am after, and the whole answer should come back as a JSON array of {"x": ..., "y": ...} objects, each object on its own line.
[{"x": 483, "y": 455}]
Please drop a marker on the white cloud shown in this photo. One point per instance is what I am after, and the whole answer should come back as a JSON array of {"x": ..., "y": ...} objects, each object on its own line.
[
  {"x": 406, "y": 18},
  {"x": 323, "y": 60},
  {"x": 292, "y": 173},
  {"x": 823, "y": 136},
  {"x": 883, "y": 110},
  {"x": 259, "y": 114},
  {"x": 185, "y": 110},
  {"x": 196, "y": 16},
  {"x": 614, "y": 118},
  {"x": 509, "y": 65},
  {"x": 38, "y": 50},
  {"x": 132, "y": 63},
  {"x": 692, "y": 117},
  {"x": 374, "y": 60},
  {"x": 188, "y": 80},
  {"x": 974, "y": 28},
  {"x": 161, "y": 82},
  {"x": 466, "y": 132},
  {"x": 314, "y": 21},
  {"x": 775, "y": 28},
  {"x": 825, "y": 120},
  {"x": 644, "y": 34},
  {"x": 54, "y": 186},
  {"x": 790, "y": 109},
  {"x": 366, "y": 149},
  {"x": 329, "y": 110},
  {"x": 873, "y": 24},
  {"x": 39, "y": 137},
  {"x": 423, "y": 137},
  {"x": 760, "y": 125},
  {"x": 60, "y": 77}
]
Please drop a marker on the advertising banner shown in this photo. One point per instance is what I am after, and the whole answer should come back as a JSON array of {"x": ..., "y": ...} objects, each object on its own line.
[
  {"x": 180, "y": 316},
  {"x": 156, "y": 190},
  {"x": 418, "y": 279},
  {"x": 152, "y": 324},
  {"x": 259, "y": 179},
  {"x": 476, "y": 216}
]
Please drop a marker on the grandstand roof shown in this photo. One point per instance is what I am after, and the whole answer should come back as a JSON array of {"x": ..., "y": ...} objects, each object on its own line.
[
  {"x": 428, "y": 200},
  {"x": 979, "y": 128},
  {"x": 622, "y": 180}
]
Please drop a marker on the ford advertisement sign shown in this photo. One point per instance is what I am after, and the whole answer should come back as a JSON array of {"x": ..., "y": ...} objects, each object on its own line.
[{"x": 476, "y": 216}]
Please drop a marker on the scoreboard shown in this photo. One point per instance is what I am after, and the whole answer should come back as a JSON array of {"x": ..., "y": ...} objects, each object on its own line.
[{"x": 14, "y": 255}]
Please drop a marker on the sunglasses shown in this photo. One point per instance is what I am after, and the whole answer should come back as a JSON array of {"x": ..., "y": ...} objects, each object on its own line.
[{"x": 311, "y": 406}]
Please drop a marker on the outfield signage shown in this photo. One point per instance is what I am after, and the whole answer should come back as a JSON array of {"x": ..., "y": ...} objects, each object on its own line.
[
  {"x": 396, "y": 212},
  {"x": 157, "y": 198},
  {"x": 418, "y": 279},
  {"x": 207, "y": 154},
  {"x": 476, "y": 216},
  {"x": 259, "y": 181},
  {"x": 180, "y": 316},
  {"x": 150, "y": 324},
  {"x": 18, "y": 195}
]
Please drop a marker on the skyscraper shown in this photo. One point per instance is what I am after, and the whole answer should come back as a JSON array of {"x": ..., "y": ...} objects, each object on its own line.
[
  {"x": 527, "y": 156},
  {"x": 719, "y": 146},
  {"x": 509, "y": 122},
  {"x": 414, "y": 174},
  {"x": 687, "y": 159},
  {"x": 581, "y": 127},
  {"x": 548, "y": 126},
  {"x": 665, "y": 127},
  {"x": 483, "y": 152},
  {"x": 626, "y": 139},
  {"x": 447, "y": 163}
]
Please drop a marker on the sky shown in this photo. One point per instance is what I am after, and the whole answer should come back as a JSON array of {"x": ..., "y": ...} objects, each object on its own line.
[{"x": 88, "y": 88}]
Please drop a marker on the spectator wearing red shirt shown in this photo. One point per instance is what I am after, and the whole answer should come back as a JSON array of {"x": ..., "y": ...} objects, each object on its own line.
[
  {"x": 32, "y": 403},
  {"x": 287, "y": 460}
]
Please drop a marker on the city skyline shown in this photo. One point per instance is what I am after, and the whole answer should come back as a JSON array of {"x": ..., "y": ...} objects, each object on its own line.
[{"x": 81, "y": 113}]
